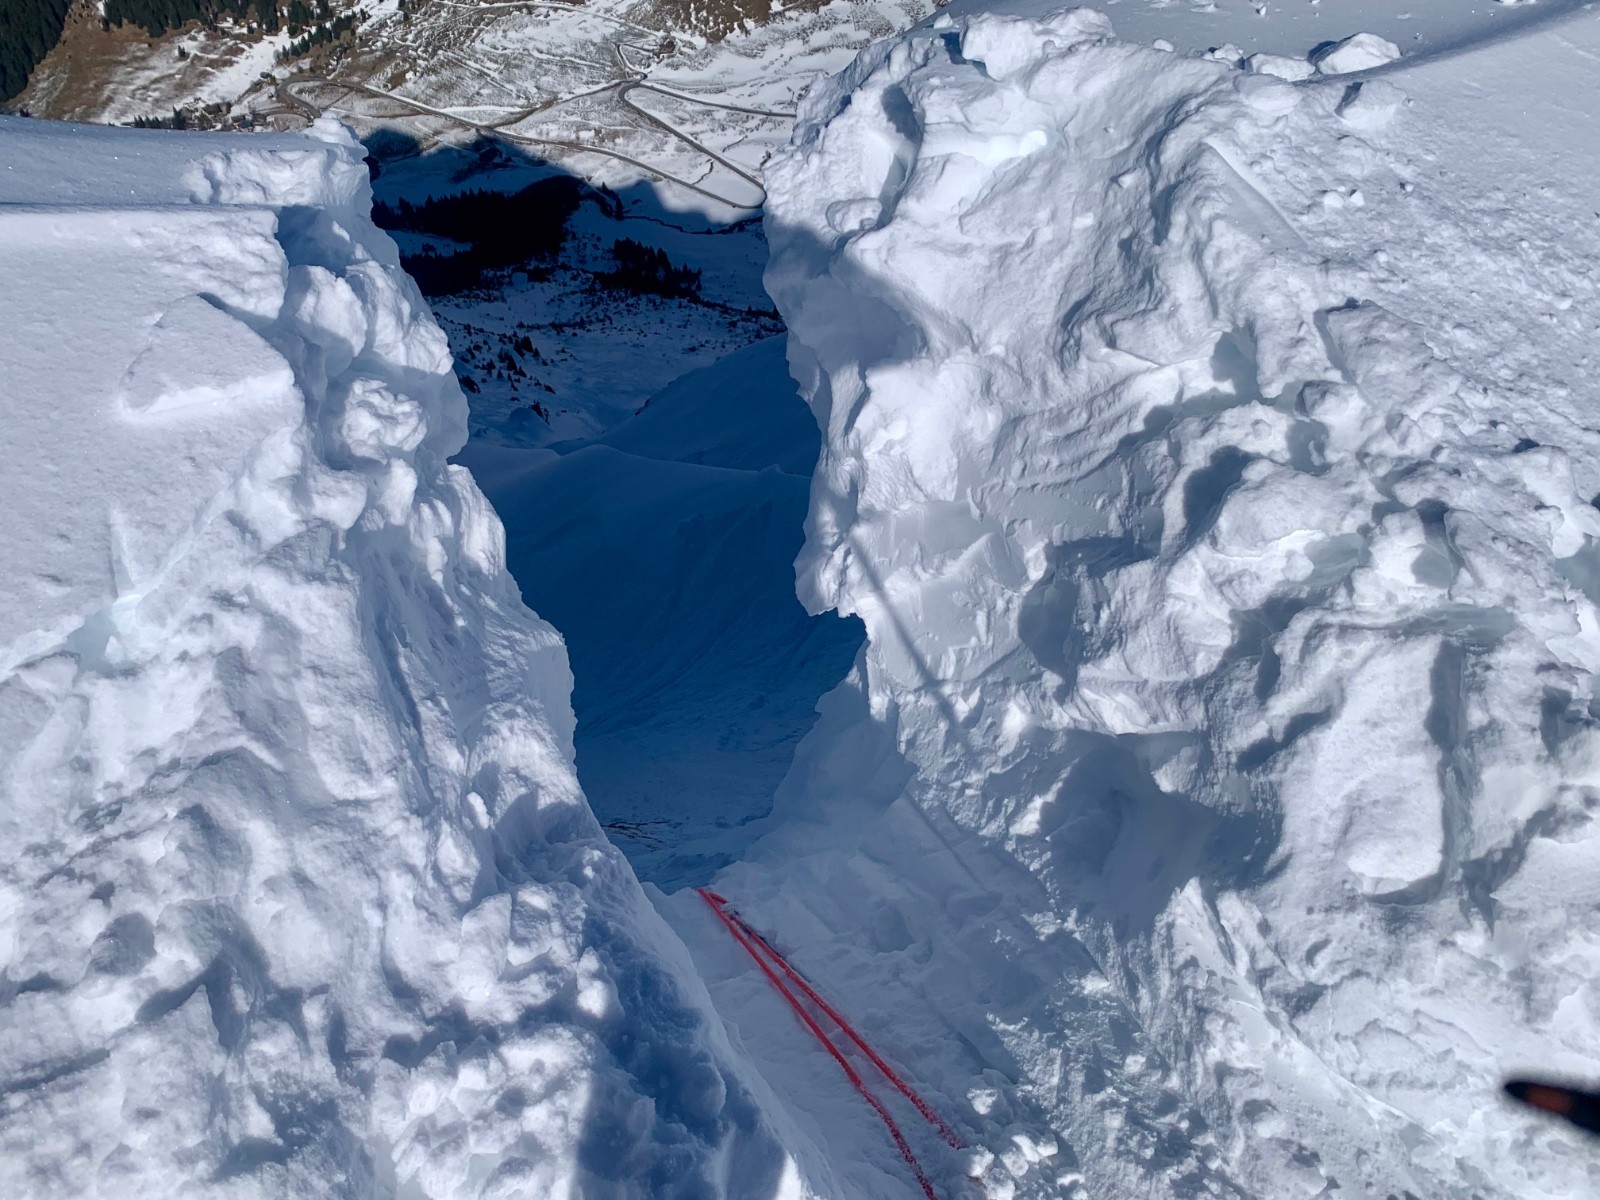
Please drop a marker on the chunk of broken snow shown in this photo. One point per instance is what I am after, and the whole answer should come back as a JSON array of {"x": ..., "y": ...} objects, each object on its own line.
[
  {"x": 1358, "y": 52},
  {"x": 1370, "y": 104},
  {"x": 1292, "y": 69}
]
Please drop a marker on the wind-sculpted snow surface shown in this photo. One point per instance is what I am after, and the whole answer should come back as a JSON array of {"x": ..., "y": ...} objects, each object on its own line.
[
  {"x": 299, "y": 896},
  {"x": 1231, "y": 610}
]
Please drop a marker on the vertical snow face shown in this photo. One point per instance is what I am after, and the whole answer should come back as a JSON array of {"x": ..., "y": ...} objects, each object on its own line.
[
  {"x": 1245, "y": 641},
  {"x": 299, "y": 894}
]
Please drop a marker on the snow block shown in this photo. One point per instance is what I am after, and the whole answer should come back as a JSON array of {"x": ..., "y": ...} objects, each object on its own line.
[
  {"x": 1232, "y": 632},
  {"x": 1292, "y": 69},
  {"x": 177, "y": 370},
  {"x": 299, "y": 895},
  {"x": 1358, "y": 52}
]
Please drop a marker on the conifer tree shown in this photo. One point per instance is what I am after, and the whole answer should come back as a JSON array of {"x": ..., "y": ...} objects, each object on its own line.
[{"x": 29, "y": 29}]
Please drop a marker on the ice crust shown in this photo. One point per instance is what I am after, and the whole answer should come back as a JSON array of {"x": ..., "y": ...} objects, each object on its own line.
[
  {"x": 300, "y": 894},
  {"x": 1219, "y": 774}
]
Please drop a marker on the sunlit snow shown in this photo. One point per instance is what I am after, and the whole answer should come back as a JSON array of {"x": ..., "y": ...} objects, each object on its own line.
[{"x": 1130, "y": 642}]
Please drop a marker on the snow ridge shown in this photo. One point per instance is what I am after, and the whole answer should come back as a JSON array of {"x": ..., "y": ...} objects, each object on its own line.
[
  {"x": 1234, "y": 638},
  {"x": 304, "y": 898}
]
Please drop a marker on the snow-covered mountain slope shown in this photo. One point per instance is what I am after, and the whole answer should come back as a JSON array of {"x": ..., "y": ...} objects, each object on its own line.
[
  {"x": 300, "y": 895},
  {"x": 1209, "y": 458}
]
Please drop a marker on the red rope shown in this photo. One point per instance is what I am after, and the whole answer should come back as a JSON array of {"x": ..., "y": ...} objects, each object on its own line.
[
  {"x": 922, "y": 1106},
  {"x": 715, "y": 902}
]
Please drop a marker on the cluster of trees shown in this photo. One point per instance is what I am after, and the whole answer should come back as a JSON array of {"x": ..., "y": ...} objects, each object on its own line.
[
  {"x": 499, "y": 230},
  {"x": 155, "y": 17},
  {"x": 29, "y": 30},
  {"x": 443, "y": 274},
  {"x": 178, "y": 120},
  {"x": 319, "y": 35},
  {"x": 506, "y": 366},
  {"x": 199, "y": 116},
  {"x": 646, "y": 270},
  {"x": 298, "y": 14}
]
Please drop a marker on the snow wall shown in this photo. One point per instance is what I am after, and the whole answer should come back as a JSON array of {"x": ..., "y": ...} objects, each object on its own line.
[
  {"x": 1233, "y": 648},
  {"x": 300, "y": 895}
]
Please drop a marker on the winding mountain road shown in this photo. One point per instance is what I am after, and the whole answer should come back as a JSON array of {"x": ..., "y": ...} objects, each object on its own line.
[{"x": 632, "y": 79}]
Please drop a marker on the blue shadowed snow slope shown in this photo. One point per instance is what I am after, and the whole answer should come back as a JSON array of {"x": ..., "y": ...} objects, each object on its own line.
[{"x": 664, "y": 553}]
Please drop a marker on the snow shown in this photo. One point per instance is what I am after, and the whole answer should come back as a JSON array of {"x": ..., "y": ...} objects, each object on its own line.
[
  {"x": 1209, "y": 459},
  {"x": 1292, "y": 69},
  {"x": 1420, "y": 27},
  {"x": 1358, "y": 52},
  {"x": 303, "y": 897},
  {"x": 1204, "y": 444},
  {"x": 697, "y": 678}
]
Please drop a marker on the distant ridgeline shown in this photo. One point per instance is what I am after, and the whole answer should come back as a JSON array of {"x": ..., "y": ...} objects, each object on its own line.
[
  {"x": 28, "y": 31},
  {"x": 157, "y": 16}
]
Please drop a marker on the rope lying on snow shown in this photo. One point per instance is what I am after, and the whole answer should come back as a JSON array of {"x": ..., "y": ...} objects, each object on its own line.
[
  {"x": 761, "y": 951},
  {"x": 950, "y": 1136}
]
